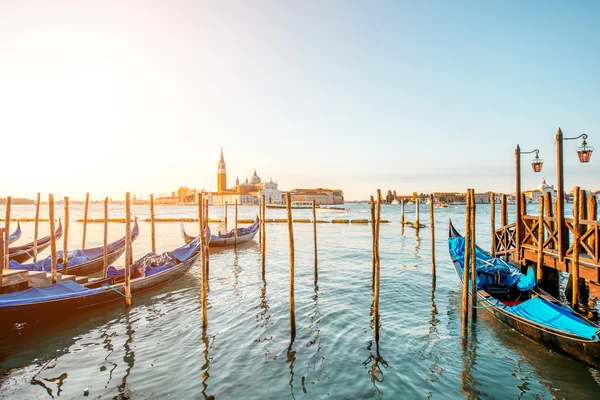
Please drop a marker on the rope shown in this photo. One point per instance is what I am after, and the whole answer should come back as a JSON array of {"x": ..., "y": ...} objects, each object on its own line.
[{"x": 112, "y": 288}]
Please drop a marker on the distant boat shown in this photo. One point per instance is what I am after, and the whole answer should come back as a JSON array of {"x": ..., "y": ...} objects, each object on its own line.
[
  {"x": 332, "y": 208},
  {"x": 395, "y": 201},
  {"x": 228, "y": 239},
  {"x": 442, "y": 205}
]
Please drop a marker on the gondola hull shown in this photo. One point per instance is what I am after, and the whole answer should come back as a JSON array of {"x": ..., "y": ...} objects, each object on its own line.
[
  {"x": 24, "y": 253},
  {"x": 565, "y": 343},
  {"x": 59, "y": 308}
]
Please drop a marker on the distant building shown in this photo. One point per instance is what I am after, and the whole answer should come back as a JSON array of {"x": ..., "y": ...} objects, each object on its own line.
[
  {"x": 535, "y": 195},
  {"x": 319, "y": 195},
  {"x": 248, "y": 192}
]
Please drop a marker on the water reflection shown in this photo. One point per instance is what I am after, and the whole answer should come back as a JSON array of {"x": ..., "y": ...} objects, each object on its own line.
[
  {"x": 431, "y": 337},
  {"x": 313, "y": 328},
  {"x": 263, "y": 318},
  {"x": 417, "y": 244},
  {"x": 58, "y": 381},
  {"x": 236, "y": 274},
  {"x": 128, "y": 358},
  {"x": 290, "y": 358},
  {"x": 375, "y": 372},
  {"x": 206, "y": 341},
  {"x": 469, "y": 357}
]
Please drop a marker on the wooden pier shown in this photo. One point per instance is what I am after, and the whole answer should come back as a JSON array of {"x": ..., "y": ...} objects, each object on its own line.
[{"x": 520, "y": 241}]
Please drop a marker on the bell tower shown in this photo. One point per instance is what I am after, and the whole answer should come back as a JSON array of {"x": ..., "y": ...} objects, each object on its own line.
[{"x": 221, "y": 174}]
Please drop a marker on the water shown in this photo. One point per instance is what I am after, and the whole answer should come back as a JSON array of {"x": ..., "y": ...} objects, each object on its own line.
[{"x": 157, "y": 348}]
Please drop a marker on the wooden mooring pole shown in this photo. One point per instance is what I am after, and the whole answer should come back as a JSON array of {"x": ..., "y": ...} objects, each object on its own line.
[
  {"x": 105, "y": 239},
  {"x": 432, "y": 225},
  {"x": 473, "y": 260},
  {"x": 201, "y": 234},
  {"x": 128, "y": 255},
  {"x": 417, "y": 223},
  {"x": 377, "y": 268},
  {"x": 52, "y": 236},
  {"x": 262, "y": 237},
  {"x": 85, "y": 218},
  {"x": 466, "y": 263},
  {"x": 540, "y": 239},
  {"x": 36, "y": 227},
  {"x": 6, "y": 260},
  {"x": 493, "y": 223},
  {"x": 225, "y": 213},
  {"x": 288, "y": 204},
  {"x": 2, "y": 258},
  {"x": 235, "y": 226},
  {"x": 7, "y": 232},
  {"x": 402, "y": 214},
  {"x": 592, "y": 215},
  {"x": 504, "y": 211},
  {"x": 576, "y": 242},
  {"x": 373, "y": 249},
  {"x": 314, "y": 215},
  {"x": 66, "y": 239},
  {"x": 206, "y": 245},
  {"x": 152, "y": 227}
]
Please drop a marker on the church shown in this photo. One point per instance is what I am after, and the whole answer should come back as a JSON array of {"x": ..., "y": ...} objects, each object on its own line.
[{"x": 245, "y": 193}]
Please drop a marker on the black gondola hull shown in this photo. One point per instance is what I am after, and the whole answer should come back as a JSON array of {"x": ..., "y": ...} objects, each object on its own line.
[{"x": 586, "y": 351}]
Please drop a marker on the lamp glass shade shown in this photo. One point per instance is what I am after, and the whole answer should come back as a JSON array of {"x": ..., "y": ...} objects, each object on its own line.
[
  {"x": 585, "y": 153},
  {"x": 537, "y": 164}
]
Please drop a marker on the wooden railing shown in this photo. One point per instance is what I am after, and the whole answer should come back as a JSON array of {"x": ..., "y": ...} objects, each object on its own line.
[
  {"x": 506, "y": 240},
  {"x": 589, "y": 246}
]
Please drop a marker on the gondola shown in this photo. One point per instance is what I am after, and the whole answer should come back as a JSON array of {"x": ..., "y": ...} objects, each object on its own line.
[
  {"x": 513, "y": 298},
  {"x": 227, "y": 239},
  {"x": 82, "y": 262},
  {"x": 66, "y": 298},
  {"x": 13, "y": 237},
  {"x": 24, "y": 252}
]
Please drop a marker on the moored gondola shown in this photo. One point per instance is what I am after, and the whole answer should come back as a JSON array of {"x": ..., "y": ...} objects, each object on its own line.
[
  {"x": 24, "y": 252},
  {"x": 227, "y": 239},
  {"x": 512, "y": 297},
  {"x": 82, "y": 262},
  {"x": 54, "y": 302},
  {"x": 13, "y": 237}
]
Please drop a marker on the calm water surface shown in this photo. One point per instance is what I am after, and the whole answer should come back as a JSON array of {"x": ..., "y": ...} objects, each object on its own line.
[{"x": 157, "y": 348}]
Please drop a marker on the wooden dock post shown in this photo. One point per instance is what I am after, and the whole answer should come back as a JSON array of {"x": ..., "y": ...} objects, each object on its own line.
[
  {"x": 540, "y": 239},
  {"x": 6, "y": 260},
  {"x": 493, "y": 223},
  {"x": 263, "y": 244},
  {"x": 2, "y": 258},
  {"x": 377, "y": 268},
  {"x": 201, "y": 234},
  {"x": 314, "y": 215},
  {"x": 592, "y": 215},
  {"x": 432, "y": 225},
  {"x": 225, "y": 213},
  {"x": 504, "y": 211},
  {"x": 52, "y": 236},
  {"x": 128, "y": 255},
  {"x": 105, "y": 239},
  {"x": 417, "y": 223},
  {"x": 373, "y": 249},
  {"x": 548, "y": 213},
  {"x": 66, "y": 239},
  {"x": 6, "y": 244},
  {"x": 235, "y": 226},
  {"x": 473, "y": 260},
  {"x": 576, "y": 242},
  {"x": 85, "y": 218},
  {"x": 36, "y": 227},
  {"x": 206, "y": 244},
  {"x": 288, "y": 204},
  {"x": 152, "y": 227},
  {"x": 466, "y": 263},
  {"x": 402, "y": 214}
]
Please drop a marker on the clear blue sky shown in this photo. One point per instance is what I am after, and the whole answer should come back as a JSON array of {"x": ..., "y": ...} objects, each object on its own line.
[{"x": 109, "y": 97}]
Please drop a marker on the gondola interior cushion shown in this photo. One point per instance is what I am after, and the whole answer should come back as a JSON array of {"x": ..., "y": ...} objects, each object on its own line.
[
  {"x": 75, "y": 257},
  {"x": 561, "y": 318}
]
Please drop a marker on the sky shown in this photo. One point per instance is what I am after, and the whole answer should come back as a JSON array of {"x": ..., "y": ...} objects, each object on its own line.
[{"x": 114, "y": 96}]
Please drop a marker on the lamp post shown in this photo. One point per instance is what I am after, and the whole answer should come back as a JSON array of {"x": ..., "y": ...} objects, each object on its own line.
[
  {"x": 536, "y": 164},
  {"x": 584, "y": 152}
]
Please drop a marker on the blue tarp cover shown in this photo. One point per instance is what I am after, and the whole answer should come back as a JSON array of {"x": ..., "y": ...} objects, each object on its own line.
[
  {"x": 60, "y": 290},
  {"x": 548, "y": 314},
  {"x": 75, "y": 257},
  {"x": 487, "y": 267}
]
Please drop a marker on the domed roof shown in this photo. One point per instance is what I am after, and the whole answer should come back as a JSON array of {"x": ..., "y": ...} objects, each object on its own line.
[{"x": 254, "y": 179}]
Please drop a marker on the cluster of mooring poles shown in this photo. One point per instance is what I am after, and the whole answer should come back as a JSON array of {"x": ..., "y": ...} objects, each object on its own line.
[{"x": 469, "y": 264}]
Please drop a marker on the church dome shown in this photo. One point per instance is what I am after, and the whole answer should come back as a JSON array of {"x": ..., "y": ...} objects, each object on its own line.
[{"x": 254, "y": 179}]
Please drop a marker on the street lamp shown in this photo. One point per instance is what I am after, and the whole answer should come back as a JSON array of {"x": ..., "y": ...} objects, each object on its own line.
[
  {"x": 536, "y": 164},
  {"x": 584, "y": 152}
]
